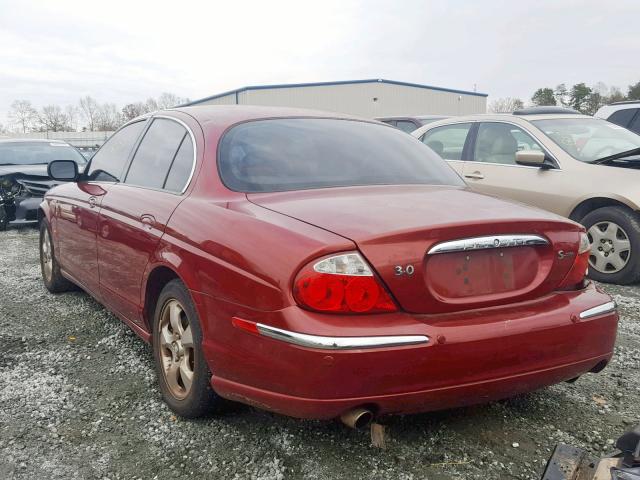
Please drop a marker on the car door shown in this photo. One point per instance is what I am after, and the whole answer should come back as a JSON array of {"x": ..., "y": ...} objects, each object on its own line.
[
  {"x": 134, "y": 214},
  {"x": 450, "y": 142},
  {"x": 77, "y": 209},
  {"x": 492, "y": 168}
]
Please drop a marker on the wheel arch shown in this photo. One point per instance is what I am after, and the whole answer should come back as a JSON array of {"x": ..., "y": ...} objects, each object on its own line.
[
  {"x": 44, "y": 211},
  {"x": 585, "y": 206},
  {"x": 155, "y": 280}
]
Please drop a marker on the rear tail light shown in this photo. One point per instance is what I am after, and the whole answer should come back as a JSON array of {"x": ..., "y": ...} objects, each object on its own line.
[
  {"x": 341, "y": 284},
  {"x": 578, "y": 271}
]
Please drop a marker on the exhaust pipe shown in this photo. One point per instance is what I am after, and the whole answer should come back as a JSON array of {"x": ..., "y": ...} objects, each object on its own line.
[{"x": 357, "y": 418}]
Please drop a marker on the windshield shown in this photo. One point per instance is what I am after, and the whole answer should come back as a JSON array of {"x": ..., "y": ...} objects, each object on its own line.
[
  {"x": 296, "y": 154},
  {"x": 34, "y": 153},
  {"x": 588, "y": 139}
]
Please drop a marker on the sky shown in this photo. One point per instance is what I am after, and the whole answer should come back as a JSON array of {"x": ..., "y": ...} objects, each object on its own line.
[{"x": 54, "y": 52}]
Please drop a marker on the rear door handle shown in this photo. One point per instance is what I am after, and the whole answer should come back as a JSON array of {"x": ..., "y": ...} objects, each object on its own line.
[
  {"x": 148, "y": 221},
  {"x": 475, "y": 175}
]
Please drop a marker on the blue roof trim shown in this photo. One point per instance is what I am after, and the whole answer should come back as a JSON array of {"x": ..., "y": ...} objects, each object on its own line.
[{"x": 324, "y": 84}]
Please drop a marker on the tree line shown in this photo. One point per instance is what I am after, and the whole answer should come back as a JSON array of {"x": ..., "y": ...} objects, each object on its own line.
[
  {"x": 580, "y": 97},
  {"x": 87, "y": 115}
]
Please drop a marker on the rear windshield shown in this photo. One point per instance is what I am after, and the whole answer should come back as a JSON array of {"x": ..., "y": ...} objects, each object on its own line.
[
  {"x": 302, "y": 153},
  {"x": 36, "y": 153}
]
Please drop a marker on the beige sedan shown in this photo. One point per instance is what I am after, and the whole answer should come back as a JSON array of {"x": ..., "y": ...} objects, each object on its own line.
[{"x": 580, "y": 167}]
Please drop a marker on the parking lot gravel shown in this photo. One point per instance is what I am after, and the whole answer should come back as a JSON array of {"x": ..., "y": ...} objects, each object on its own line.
[{"x": 78, "y": 399}]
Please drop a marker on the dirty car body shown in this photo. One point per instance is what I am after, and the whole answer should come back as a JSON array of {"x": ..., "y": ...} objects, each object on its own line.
[
  {"x": 23, "y": 176},
  {"x": 332, "y": 263}
]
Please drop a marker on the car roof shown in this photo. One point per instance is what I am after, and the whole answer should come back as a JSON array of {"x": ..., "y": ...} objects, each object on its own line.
[
  {"x": 226, "y": 115},
  {"x": 607, "y": 110},
  {"x": 506, "y": 117},
  {"x": 231, "y": 114},
  {"x": 626, "y": 102},
  {"x": 32, "y": 140},
  {"x": 410, "y": 117}
]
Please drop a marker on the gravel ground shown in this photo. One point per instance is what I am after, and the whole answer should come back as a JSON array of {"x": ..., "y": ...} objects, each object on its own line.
[{"x": 78, "y": 399}]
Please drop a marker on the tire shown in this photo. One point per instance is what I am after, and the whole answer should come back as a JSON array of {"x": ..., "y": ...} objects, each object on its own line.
[
  {"x": 614, "y": 233},
  {"x": 4, "y": 220},
  {"x": 51, "y": 276},
  {"x": 178, "y": 356}
]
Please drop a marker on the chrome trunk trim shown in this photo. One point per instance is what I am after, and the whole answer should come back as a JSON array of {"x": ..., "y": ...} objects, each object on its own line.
[
  {"x": 599, "y": 310},
  {"x": 340, "y": 343},
  {"x": 482, "y": 243}
]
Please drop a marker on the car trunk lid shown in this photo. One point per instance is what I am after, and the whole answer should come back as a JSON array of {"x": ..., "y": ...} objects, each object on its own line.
[{"x": 442, "y": 249}]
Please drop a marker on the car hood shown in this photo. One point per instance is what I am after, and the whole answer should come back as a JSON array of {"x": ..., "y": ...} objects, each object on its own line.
[
  {"x": 33, "y": 178},
  {"x": 24, "y": 170}
]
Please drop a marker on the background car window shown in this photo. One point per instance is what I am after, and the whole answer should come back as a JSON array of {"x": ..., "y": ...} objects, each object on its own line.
[
  {"x": 499, "y": 142},
  {"x": 635, "y": 124},
  {"x": 155, "y": 154},
  {"x": 623, "y": 117},
  {"x": 406, "y": 126},
  {"x": 108, "y": 162},
  {"x": 448, "y": 141},
  {"x": 181, "y": 167}
]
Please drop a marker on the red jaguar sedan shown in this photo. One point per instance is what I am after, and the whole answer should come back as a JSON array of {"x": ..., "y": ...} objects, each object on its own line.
[{"x": 320, "y": 266}]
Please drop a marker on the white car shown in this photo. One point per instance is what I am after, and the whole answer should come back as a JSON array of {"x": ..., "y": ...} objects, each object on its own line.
[{"x": 625, "y": 114}]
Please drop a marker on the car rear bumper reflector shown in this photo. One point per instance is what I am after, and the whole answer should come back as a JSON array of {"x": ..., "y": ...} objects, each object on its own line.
[
  {"x": 494, "y": 241},
  {"x": 599, "y": 310}
]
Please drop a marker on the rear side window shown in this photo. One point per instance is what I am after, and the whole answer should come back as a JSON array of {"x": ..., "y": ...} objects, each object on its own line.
[
  {"x": 448, "y": 141},
  {"x": 109, "y": 162},
  {"x": 304, "y": 153},
  {"x": 181, "y": 168},
  {"x": 156, "y": 153},
  {"x": 623, "y": 117}
]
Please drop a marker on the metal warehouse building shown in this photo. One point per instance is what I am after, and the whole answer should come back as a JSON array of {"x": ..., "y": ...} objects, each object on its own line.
[{"x": 364, "y": 98}]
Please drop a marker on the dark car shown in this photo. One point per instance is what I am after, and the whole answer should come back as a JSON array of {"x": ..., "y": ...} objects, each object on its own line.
[
  {"x": 409, "y": 124},
  {"x": 23, "y": 176},
  {"x": 320, "y": 266}
]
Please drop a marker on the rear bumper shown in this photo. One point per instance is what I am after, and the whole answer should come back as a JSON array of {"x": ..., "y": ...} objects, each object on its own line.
[
  {"x": 410, "y": 402},
  {"x": 468, "y": 358}
]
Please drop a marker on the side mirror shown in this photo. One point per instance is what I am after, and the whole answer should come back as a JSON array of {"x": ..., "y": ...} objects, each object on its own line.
[
  {"x": 63, "y": 170},
  {"x": 532, "y": 158}
]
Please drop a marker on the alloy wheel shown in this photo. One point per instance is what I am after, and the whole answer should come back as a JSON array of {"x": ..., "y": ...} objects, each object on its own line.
[
  {"x": 610, "y": 247},
  {"x": 176, "y": 348}
]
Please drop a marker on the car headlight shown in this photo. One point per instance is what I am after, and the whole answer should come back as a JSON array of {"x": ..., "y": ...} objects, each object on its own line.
[{"x": 8, "y": 186}]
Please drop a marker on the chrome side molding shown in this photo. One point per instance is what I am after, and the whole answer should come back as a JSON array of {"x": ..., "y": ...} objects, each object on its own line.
[
  {"x": 339, "y": 343},
  {"x": 599, "y": 310},
  {"x": 481, "y": 243}
]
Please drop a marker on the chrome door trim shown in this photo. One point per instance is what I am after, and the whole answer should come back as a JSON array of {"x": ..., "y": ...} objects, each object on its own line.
[
  {"x": 599, "y": 310},
  {"x": 339, "y": 343},
  {"x": 482, "y": 243},
  {"x": 195, "y": 150}
]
